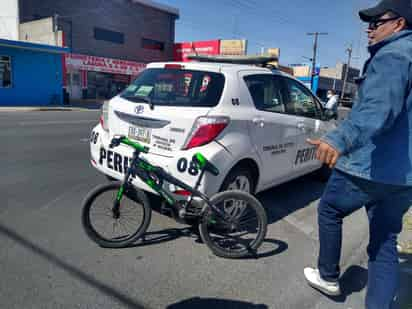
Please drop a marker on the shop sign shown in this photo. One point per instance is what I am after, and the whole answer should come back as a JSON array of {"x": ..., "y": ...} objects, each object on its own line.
[
  {"x": 182, "y": 50},
  {"x": 76, "y": 62},
  {"x": 233, "y": 47}
]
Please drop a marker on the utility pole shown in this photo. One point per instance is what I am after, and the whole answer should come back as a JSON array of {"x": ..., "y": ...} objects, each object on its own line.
[
  {"x": 55, "y": 22},
  {"x": 349, "y": 51},
  {"x": 315, "y": 47}
]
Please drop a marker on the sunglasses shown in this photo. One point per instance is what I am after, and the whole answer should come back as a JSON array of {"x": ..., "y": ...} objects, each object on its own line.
[{"x": 375, "y": 24}]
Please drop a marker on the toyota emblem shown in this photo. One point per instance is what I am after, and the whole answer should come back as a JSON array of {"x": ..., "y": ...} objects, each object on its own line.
[{"x": 139, "y": 109}]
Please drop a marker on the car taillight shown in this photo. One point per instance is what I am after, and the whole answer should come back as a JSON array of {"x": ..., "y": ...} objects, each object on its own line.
[
  {"x": 182, "y": 192},
  {"x": 104, "y": 117},
  {"x": 205, "y": 130}
]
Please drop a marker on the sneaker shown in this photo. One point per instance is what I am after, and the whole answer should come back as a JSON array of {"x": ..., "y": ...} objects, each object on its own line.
[{"x": 312, "y": 275}]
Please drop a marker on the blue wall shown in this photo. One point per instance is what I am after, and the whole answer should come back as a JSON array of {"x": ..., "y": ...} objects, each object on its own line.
[{"x": 36, "y": 78}]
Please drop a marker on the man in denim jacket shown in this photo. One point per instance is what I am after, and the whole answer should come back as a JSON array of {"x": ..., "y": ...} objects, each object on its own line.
[{"x": 372, "y": 151}]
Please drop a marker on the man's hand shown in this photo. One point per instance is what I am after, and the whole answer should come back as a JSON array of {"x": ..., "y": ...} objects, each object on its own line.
[{"x": 326, "y": 153}]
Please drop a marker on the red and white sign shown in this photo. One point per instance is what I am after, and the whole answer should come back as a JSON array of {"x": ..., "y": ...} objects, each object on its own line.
[
  {"x": 76, "y": 62},
  {"x": 182, "y": 50}
]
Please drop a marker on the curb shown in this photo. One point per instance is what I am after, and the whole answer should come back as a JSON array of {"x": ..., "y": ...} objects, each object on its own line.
[{"x": 44, "y": 109}]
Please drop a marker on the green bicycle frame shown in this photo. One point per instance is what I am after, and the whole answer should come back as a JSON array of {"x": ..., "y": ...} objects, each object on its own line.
[{"x": 154, "y": 176}]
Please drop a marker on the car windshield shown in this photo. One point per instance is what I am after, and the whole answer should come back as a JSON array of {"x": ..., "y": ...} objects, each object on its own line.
[{"x": 174, "y": 87}]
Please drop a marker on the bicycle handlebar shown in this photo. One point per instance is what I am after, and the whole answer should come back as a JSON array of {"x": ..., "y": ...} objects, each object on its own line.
[{"x": 116, "y": 141}]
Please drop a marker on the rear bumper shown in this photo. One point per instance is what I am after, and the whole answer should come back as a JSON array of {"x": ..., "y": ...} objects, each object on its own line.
[{"x": 113, "y": 162}]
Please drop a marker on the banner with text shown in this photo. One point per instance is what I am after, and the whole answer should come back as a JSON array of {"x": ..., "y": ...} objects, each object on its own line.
[
  {"x": 76, "y": 62},
  {"x": 182, "y": 50}
]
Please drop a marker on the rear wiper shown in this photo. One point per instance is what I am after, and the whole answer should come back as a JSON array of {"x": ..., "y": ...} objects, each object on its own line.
[{"x": 138, "y": 99}]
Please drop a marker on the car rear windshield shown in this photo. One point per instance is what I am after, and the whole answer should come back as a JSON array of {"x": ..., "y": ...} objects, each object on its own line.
[{"x": 175, "y": 87}]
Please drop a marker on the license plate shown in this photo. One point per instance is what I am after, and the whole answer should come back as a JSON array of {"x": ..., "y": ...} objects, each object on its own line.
[{"x": 140, "y": 134}]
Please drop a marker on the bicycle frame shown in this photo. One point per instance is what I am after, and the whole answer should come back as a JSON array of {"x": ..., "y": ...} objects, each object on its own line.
[{"x": 154, "y": 177}]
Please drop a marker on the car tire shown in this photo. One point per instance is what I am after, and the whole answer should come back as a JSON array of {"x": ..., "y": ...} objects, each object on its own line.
[{"x": 240, "y": 178}]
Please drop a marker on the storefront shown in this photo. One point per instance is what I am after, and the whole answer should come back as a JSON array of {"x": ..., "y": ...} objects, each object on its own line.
[
  {"x": 30, "y": 74},
  {"x": 90, "y": 77}
]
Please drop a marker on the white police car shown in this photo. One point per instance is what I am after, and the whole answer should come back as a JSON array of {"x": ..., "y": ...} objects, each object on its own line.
[{"x": 251, "y": 122}]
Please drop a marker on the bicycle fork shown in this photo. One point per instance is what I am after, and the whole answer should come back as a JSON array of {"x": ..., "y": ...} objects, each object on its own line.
[{"x": 116, "y": 203}]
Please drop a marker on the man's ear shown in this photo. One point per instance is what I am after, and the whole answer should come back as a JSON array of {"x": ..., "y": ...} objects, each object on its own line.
[{"x": 402, "y": 25}]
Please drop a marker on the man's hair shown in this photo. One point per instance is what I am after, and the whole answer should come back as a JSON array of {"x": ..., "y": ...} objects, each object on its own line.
[{"x": 332, "y": 91}]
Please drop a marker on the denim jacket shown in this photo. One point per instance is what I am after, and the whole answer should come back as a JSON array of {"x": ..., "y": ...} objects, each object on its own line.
[{"x": 375, "y": 141}]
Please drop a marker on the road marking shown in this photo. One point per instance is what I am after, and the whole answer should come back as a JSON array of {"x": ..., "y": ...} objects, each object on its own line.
[
  {"x": 84, "y": 140},
  {"x": 45, "y": 123}
]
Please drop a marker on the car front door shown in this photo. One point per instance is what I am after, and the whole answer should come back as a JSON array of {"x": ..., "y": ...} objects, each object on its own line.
[
  {"x": 273, "y": 132},
  {"x": 308, "y": 113}
]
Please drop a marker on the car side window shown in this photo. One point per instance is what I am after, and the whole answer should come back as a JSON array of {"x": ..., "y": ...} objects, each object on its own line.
[
  {"x": 266, "y": 93},
  {"x": 299, "y": 100}
]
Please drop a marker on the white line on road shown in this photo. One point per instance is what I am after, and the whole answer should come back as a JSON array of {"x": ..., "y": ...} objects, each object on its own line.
[{"x": 45, "y": 123}]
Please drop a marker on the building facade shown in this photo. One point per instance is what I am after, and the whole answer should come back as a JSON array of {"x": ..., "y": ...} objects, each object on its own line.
[
  {"x": 30, "y": 74},
  {"x": 110, "y": 41},
  {"x": 330, "y": 78}
]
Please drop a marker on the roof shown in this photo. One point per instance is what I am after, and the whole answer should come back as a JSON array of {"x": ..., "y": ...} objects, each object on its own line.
[
  {"x": 248, "y": 60},
  {"x": 34, "y": 46},
  {"x": 211, "y": 66},
  {"x": 159, "y": 6}
]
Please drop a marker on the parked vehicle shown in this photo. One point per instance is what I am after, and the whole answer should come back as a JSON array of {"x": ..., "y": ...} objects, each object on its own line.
[{"x": 251, "y": 122}]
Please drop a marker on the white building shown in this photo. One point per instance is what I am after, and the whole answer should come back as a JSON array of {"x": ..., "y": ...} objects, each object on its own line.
[{"x": 9, "y": 19}]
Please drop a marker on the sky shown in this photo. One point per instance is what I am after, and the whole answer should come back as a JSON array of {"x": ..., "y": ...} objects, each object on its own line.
[{"x": 279, "y": 23}]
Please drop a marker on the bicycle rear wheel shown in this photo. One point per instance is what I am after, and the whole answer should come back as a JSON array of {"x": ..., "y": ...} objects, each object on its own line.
[
  {"x": 101, "y": 225},
  {"x": 244, "y": 235}
]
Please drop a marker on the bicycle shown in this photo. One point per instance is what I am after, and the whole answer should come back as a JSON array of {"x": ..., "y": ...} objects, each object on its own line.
[{"x": 232, "y": 224}]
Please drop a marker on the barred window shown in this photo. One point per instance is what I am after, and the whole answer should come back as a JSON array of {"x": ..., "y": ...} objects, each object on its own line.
[{"x": 5, "y": 71}]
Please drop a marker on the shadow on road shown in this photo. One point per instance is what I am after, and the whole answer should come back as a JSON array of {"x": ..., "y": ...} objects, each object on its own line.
[
  {"x": 70, "y": 269},
  {"x": 352, "y": 281},
  {"x": 215, "y": 303},
  {"x": 287, "y": 198},
  {"x": 270, "y": 247}
]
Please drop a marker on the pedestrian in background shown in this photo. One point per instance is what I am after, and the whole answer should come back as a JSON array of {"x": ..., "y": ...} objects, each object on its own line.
[
  {"x": 372, "y": 151},
  {"x": 333, "y": 102}
]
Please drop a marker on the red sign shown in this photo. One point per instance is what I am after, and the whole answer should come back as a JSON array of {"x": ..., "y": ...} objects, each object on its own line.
[
  {"x": 181, "y": 50},
  {"x": 99, "y": 64}
]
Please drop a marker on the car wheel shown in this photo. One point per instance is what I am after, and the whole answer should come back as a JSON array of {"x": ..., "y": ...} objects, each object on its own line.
[{"x": 239, "y": 179}]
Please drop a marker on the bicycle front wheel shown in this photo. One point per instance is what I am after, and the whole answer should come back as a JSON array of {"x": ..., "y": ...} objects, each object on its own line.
[
  {"x": 246, "y": 230},
  {"x": 111, "y": 231}
]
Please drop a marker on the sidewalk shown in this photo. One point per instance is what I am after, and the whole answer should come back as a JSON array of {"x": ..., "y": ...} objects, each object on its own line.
[
  {"x": 405, "y": 249},
  {"x": 78, "y": 105}
]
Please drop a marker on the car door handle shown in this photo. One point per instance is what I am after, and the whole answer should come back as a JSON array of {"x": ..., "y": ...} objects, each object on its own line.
[
  {"x": 301, "y": 126},
  {"x": 259, "y": 121}
]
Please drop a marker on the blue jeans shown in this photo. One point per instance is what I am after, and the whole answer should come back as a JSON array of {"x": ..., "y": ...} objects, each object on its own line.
[{"x": 385, "y": 206}]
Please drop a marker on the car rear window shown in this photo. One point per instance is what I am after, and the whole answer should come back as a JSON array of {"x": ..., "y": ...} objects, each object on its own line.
[{"x": 175, "y": 87}]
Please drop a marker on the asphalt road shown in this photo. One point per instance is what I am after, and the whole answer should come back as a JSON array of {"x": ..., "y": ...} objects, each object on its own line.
[{"x": 46, "y": 260}]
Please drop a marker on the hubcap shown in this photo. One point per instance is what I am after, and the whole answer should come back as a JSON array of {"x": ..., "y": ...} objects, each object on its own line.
[
  {"x": 240, "y": 183},
  {"x": 235, "y": 208}
]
